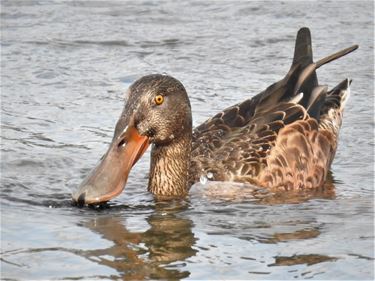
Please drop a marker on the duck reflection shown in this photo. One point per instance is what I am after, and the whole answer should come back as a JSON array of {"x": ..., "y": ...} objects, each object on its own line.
[
  {"x": 157, "y": 253},
  {"x": 160, "y": 251},
  {"x": 327, "y": 192}
]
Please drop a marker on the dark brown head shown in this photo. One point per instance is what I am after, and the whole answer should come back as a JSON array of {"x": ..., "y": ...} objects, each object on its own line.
[
  {"x": 160, "y": 108},
  {"x": 157, "y": 110}
]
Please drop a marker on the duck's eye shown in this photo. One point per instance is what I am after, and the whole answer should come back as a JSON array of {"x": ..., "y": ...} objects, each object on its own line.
[{"x": 159, "y": 99}]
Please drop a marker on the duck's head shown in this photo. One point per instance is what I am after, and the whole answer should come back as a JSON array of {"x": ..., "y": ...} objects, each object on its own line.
[{"x": 157, "y": 110}]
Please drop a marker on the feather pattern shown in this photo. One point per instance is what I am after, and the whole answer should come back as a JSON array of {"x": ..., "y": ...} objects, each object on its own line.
[{"x": 284, "y": 138}]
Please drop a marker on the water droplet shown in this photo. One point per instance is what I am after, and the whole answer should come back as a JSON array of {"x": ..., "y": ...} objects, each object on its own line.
[{"x": 203, "y": 180}]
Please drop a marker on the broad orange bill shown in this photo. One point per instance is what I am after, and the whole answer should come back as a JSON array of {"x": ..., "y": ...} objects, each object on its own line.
[{"x": 109, "y": 177}]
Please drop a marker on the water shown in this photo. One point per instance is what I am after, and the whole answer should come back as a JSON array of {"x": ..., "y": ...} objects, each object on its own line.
[{"x": 65, "y": 67}]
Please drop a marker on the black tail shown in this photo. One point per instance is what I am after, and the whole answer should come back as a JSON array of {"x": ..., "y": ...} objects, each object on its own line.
[
  {"x": 301, "y": 78},
  {"x": 304, "y": 67},
  {"x": 303, "y": 57},
  {"x": 302, "y": 49}
]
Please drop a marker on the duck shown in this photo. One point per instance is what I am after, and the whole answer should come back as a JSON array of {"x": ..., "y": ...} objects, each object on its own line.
[{"x": 282, "y": 139}]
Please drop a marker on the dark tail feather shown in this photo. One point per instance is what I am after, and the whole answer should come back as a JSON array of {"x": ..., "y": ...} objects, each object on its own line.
[
  {"x": 335, "y": 56},
  {"x": 301, "y": 76},
  {"x": 338, "y": 96},
  {"x": 303, "y": 49},
  {"x": 303, "y": 57},
  {"x": 309, "y": 73},
  {"x": 284, "y": 89},
  {"x": 316, "y": 101}
]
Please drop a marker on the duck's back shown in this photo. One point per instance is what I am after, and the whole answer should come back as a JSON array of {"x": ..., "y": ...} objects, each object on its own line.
[{"x": 283, "y": 138}]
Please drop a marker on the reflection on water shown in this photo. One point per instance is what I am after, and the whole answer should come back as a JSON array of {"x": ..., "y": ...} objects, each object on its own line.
[
  {"x": 141, "y": 255},
  {"x": 156, "y": 253},
  {"x": 299, "y": 234},
  {"x": 301, "y": 259}
]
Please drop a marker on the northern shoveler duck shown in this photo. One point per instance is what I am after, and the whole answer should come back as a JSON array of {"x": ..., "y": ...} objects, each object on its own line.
[{"x": 284, "y": 138}]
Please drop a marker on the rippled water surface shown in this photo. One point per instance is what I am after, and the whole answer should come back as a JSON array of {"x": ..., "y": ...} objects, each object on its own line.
[{"x": 65, "y": 66}]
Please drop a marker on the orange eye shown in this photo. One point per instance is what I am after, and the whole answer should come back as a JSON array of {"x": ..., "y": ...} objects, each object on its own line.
[{"x": 159, "y": 99}]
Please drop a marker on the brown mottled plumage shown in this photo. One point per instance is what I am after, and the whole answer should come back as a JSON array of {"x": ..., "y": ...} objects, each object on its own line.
[{"x": 284, "y": 138}]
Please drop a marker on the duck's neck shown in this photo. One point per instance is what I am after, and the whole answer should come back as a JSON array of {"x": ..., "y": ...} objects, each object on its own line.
[{"x": 170, "y": 167}]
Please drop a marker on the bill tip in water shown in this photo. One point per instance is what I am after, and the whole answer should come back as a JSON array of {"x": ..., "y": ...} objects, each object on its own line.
[{"x": 81, "y": 201}]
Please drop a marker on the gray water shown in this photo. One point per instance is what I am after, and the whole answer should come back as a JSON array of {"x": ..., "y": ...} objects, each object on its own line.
[{"x": 64, "y": 69}]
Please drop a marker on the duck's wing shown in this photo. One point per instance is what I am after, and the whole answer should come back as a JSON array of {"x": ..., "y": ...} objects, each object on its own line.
[
  {"x": 265, "y": 139},
  {"x": 304, "y": 149}
]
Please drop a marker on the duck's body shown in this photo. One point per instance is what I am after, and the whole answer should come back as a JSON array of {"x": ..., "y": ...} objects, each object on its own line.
[
  {"x": 284, "y": 138},
  {"x": 283, "y": 148}
]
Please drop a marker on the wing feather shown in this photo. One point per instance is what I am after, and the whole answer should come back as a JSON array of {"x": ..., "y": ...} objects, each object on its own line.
[{"x": 284, "y": 138}]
